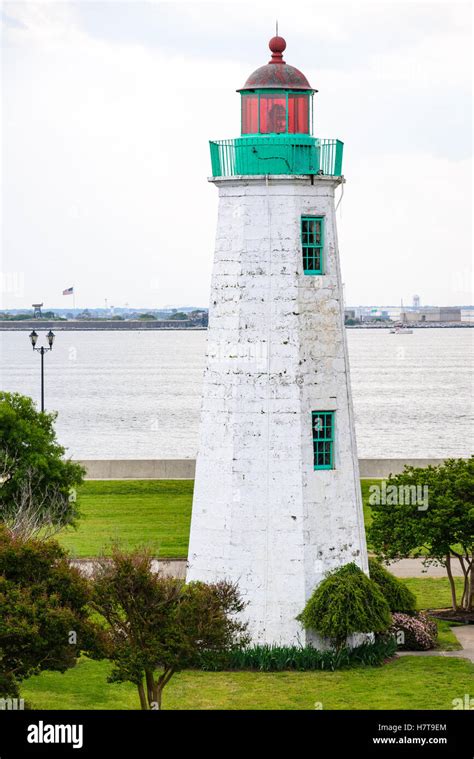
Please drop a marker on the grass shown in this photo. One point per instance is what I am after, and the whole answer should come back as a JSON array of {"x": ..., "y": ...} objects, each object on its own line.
[
  {"x": 432, "y": 592},
  {"x": 158, "y": 513},
  {"x": 447, "y": 640},
  {"x": 152, "y": 512},
  {"x": 409, "y": 682},
  {"x": 365, "y": 486},
  {"x": 155, "y": 512}
]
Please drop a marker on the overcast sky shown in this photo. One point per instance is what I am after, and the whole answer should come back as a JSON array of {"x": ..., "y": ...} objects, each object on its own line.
[{"x": 107, "y": 112}]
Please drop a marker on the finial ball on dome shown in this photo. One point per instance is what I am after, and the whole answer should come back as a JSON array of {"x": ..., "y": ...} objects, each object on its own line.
[{"x": 277, "y": 44}]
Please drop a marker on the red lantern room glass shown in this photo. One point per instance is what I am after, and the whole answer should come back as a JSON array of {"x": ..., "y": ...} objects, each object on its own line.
[{"x": 276, "y": 98}]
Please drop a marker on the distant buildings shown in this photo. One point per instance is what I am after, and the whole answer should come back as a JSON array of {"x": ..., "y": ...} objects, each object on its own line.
[
  {"x": 365, "y": 314},
  {"x": 432, "y": 314}
]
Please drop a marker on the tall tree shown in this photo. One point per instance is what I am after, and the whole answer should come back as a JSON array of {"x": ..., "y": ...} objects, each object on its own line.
[{"x": 440, "y": 529}]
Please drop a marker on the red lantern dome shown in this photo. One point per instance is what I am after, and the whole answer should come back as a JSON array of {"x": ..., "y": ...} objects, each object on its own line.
[
  {"x": 277, "y": 73},
  {"x": 276, "y": 98}
]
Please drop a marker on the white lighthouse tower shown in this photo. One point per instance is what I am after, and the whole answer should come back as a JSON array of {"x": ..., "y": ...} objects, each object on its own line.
[{"x": 277, "y": 498}]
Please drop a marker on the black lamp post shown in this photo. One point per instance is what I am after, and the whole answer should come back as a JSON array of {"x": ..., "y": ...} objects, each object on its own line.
[{"x": 50, "y": 338}]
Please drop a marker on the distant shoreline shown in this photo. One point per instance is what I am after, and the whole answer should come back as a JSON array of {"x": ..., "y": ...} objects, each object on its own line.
[
  {"x": 414, "y": 325},
  {"x": 142, "y": 324},
  {"x": 99, "y": 324}
]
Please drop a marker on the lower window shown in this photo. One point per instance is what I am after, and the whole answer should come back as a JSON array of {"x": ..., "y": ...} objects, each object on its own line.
[
  {"x": 312, "y": 240},
  {"x": 323, "y": 439}
]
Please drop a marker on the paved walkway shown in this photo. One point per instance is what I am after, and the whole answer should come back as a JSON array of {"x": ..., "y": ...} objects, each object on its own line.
[
  {"x": 402, "y": 568},
  {"x": 465, "y": 636},
  {"x": 415, "y": 568}
]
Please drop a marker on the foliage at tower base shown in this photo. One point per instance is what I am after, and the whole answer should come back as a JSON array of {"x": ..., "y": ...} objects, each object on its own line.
[
  {"x": 156, "y": 626},
  {"x": 397, "y": 595},
  {"x": 44, "y": 615},
  {"x": 37, "y": 485},
  {"x": 344, "y": 603},
  {"x": 440, "y": 526}
]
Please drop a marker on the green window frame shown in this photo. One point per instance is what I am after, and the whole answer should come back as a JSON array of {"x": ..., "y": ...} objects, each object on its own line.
[
  {"x": 322, "y": 425},
  {"x": 312, "y": 242}
]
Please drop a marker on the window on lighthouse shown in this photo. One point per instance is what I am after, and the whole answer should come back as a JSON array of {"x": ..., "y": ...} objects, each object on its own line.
[
  {"x": 312, "y": 240},
  {"x": 323, "y": 439},
  {"x": 273, "y": 114},
  {"x": 276, "y": 112}
]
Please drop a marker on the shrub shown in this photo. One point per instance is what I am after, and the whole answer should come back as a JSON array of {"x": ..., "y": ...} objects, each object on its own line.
[
  {"x": 397, "y": 595},
  {"x": 415, "y": 632},
  {"x": 299, "y": 658},
  {"x": 42, "y": 602},
  {"x": 346, "y": 602}
]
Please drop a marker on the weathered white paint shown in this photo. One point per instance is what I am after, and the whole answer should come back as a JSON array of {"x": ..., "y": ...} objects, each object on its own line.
[{"x": 276, "y": 351}]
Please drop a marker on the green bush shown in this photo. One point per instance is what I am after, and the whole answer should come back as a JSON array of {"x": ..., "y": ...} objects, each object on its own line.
[
  {"x": 346, "y": 602},
  {"x": 298, "y": 658},
  {"x": 42, "y": 601},
  {"x": 395, "y": 592}
]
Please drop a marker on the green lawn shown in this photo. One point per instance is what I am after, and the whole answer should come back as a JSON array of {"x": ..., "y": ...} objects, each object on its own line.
[
  {"x": 365, "y": 485},
  {"x": 447, "y": 640},
  {"x": 407, "y": 683},
  {"x": 152, "y": 512},
  {"x": 155, "y": 512},
  {"x": 158, "y": 513},
  {"x": 432, "y": 592}
]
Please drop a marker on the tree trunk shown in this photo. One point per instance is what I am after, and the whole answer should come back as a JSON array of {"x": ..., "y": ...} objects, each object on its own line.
[
  {"x": 470, "y": 593},
  {"x": 465, "y": 590},
  {"x": 141, "y": 693},
  {"x": 451, "y": 582},
  {"x": 157, "y": 696},
  {"x": 150, "y": 687}
]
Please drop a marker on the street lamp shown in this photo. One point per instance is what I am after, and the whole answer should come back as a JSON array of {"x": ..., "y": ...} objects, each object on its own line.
[{"x": 34, "y": 339}]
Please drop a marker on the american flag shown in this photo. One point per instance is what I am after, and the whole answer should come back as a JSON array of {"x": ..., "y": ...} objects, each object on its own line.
[{"x": 68, "y": 291}]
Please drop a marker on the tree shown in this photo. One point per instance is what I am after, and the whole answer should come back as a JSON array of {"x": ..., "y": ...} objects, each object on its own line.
[
  {"x": 44, "y": 613},
  {"x": 344, "y": 603},
  {"x": 157, "y": 625},
  {"x": 37, "y": 485},
  {"x": 442, "y": 529},
  {"x": 177, "y": 316}
]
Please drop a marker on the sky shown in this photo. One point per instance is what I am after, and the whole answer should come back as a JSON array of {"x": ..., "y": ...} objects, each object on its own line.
[{"x": 107, "y": 109}]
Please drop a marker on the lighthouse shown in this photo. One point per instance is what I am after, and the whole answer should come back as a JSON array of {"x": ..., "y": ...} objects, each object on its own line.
[{"x": 277, "y": 499}]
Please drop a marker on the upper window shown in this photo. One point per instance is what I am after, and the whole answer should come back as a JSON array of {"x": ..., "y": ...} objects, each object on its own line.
[
  {"x": 323, "y": 439},
  {"x": 298, "y": 113},
  {"x": 312, "y": 240},
  {"x": 269, "y": 112}
]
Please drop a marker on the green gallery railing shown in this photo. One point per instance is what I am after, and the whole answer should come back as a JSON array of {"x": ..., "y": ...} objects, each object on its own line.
[{"x": 282, "y": 154}]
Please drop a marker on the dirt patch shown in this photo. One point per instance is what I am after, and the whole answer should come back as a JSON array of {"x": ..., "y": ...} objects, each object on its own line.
[{"x": 465, "y": 617}]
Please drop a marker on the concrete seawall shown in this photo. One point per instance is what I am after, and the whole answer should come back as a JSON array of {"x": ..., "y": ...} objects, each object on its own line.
[
  {"x": 82, "y": 325},
  {"x": 184, "y": 469}
]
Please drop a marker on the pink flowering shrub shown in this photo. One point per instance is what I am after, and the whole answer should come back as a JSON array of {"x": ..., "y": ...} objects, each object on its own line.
[{"x": 416, "y": 632}]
